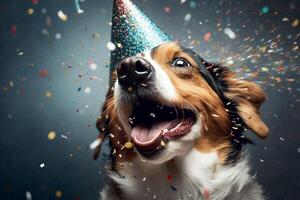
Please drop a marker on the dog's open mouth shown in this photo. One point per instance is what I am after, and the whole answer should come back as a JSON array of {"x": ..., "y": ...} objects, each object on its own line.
[{"x": 154, "y": 124}]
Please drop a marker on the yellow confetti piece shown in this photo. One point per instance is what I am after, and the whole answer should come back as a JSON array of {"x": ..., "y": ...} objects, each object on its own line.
[
  {"x": 58, "y": 194},
  {"x": 30, "y": 11},
  {"x": 295, "y": 23},
  {"x": 48, "y": 94},
  {"x": 51, "y": 135},
  {"x": 11, "y": 83},
  {"x": 162, "y": 143},
  {"x": 63, "y": 17},
  {"x": 128, "y": 145},
  {"x": 264, "y": 69}
]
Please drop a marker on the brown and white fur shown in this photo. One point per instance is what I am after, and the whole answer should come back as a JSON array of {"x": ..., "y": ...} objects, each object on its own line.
[{"x": 197, "y": 165}]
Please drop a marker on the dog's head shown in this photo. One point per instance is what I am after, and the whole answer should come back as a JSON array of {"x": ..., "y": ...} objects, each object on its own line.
[{"x": 168, "y": 100}]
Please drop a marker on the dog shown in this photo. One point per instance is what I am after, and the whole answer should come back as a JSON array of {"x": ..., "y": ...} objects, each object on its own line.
[{"x": 175, "y": 125}]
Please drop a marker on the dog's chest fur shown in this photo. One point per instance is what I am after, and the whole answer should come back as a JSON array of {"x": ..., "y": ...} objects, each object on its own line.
[{"x": 196, "y": 176}]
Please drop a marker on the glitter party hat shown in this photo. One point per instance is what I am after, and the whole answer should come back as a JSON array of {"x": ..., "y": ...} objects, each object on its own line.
[{"x": 132, "y": 32}]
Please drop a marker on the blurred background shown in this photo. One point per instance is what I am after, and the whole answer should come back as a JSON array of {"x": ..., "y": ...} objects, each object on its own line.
[{"x": 54, "y": 58}]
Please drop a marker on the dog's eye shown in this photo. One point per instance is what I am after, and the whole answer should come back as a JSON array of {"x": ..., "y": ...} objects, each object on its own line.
[{"x": 180, "y": 62}]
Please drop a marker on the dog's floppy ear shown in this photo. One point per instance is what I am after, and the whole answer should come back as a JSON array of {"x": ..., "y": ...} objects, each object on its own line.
[
  {"x": 104, "y": 120},
  {"x": 249, "y": 97}
]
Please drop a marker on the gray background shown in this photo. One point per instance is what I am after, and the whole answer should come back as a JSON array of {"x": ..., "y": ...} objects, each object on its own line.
[{"x": 27, "y": 116}]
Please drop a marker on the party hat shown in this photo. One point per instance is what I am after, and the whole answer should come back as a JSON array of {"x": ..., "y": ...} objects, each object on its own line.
[{"x": 132, "y": 32}]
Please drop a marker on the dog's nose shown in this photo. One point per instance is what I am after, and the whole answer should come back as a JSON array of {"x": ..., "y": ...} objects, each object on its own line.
[{"x": 133, "y": 71}]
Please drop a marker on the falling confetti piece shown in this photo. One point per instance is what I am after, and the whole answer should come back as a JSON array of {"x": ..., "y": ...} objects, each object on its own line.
[
  {"x": 63, "y": 17},
  {"x": 93, "y": 66},
  {"x": 13, "y": 29},
  {"x": 51, "y": 135},
  {"x": 30, "y": 11},
  {"x": 187, "y": 17},
  {"x": 28, "y": 195},
  {"x": 295, "y": 23},
  {"x": 48, "y": 94},
  {"x": 42, "y": 165},
  {"x": 79, "y": 10},
  {"x": 95, "y": 144},
  {"x": 128, "y": 145},
  {"x": 265, "y": 10},
  {"x": 169, "y": 178},
  {"x": 282, "y": 139},
  {"x": 229, "y": 33},
  {"x": 35, "y": 1},
  {"x": 58, "y": 36},
  {"x": 162, "y": 143},
  {"x": 144, "y": 179},
  {"x": 193, "y": 4},
  {"x": 167, "y": 9},
  {"x": 111, "y": 46},
  {"x": 264, "y": 69},
  {"x": 58, "y": 194},
  {"x": 207, "y": 36},
  {"x": 87, "y": 90},
  {"x": 261, "y": 160},
  {"x": 64, "y": 136},
  {"x": 43, "y": 73}
]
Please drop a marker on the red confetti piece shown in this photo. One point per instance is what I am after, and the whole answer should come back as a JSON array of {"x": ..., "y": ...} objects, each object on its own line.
[
  {"x": 169, "y": 177},
  {"x": 207, "y": 36},
  {"x": 13, "y": 29},
  {"x": 35, "y": 1},
  {"x": 43, "y": 73},
  {"x": 206, "y": 194}
]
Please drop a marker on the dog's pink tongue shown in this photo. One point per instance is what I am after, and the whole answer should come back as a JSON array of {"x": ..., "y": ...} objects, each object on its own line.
[{"x": 144, "y": 136}]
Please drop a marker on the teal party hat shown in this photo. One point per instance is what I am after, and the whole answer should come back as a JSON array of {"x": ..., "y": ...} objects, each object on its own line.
[{"x": 132, "y": 32}]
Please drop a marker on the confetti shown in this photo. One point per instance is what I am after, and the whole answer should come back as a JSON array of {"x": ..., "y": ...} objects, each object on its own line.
[
  {"x": 58, "y": 36},
  {"x": 207, "y": 36},
  {"x": 30, "y": 11},
  {"x": 265, "y": 10},
  {"x": 48, "y": 94},
  {"x": 167, "y": 9},
  {"x": 95, "y": 144},
  {"x": 193, "y": 4},
  {"x": 63, "y": 17},
  {"x": 128, "y": 145},
  {"x": 295, "y": 23},
  {"x": 93, "y": 66},
  {"x": 187, "y": 17},
  {"x": 42, "y": 165},
  {"x": 87, "y": 90},
  {"x": 79, "y": 10},
  {"x": 43, "y": 73},
  {"x": 51, "y": 135},
  {"x": 229, "y": 33},
  {"x": 111, "y": 46},
  {"x": 64, "y": 136},
  {"x": 28, "y": 195},
  {"x": 58, "y": 194}
]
